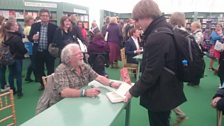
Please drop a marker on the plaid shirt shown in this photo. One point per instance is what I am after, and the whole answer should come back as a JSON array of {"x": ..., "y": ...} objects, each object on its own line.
[
  {"x": 43, "y": 42},
  {"x": 65, "y": 76}
]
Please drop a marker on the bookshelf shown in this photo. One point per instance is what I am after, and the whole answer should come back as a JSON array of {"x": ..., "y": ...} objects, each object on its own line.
[{"x": 21, "y": 8}]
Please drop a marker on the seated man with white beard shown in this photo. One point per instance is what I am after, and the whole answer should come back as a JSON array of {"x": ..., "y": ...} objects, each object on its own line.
[{"x": 69, "y": 77}]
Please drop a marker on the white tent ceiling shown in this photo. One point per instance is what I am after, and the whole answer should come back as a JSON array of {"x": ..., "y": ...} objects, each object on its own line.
[{"x": 167, "y": 6}]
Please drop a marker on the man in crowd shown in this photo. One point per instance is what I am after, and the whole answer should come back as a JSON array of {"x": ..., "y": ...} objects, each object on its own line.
[
  {"x": 69, "y": 77},
  {"x": 159, "y": 90},
  {"x": 41, "y": 34}
]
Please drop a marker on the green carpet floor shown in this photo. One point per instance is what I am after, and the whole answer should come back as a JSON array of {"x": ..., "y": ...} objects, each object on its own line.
[{"x": 197, "y": 108}]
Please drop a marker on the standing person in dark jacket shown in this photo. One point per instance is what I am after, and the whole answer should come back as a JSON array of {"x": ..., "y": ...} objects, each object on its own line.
[
  {"x": 41, "y": 34},
  {"x": 64, "y": 35},
  {"x": 76, "y": 29},
  {"x": 98, "y": 50},
  {"x": 13, "y": 39},
  {"x": 159, "y": 90},
  {"x": 114, "y": 41}
]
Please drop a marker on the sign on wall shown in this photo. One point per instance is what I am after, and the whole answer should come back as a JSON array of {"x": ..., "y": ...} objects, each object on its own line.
[{"x": 38, "y": 4}]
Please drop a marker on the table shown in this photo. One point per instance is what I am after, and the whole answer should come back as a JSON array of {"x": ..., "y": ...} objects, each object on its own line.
[
  {"x": 139, "y": 59},
  {"x": 83, "y": 111}
]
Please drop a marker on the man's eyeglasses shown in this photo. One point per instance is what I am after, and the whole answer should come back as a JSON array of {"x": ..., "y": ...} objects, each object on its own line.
[{"x": 44, "y": 15}]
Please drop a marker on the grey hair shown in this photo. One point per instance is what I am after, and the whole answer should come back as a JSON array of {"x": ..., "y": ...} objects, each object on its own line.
[
  {"x": 146, "y": 9},
  {"x": 67, "y": 51},
  {"x": 178, "y": 18}
]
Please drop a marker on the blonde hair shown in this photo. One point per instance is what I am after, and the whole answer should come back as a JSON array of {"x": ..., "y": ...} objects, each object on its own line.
[
  {"x": 27, "y": 19},
  {"x": 178, "y": 18},
  {"x": 113, "y": 20},
  {"x": 197, "y": 24},
  {"x": 146, "y": 9}
]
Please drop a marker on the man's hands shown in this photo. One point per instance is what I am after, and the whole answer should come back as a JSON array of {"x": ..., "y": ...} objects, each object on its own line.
[
  {"x": 36, "y": 36},
  {"x": 92, "y": 92},
  {"x": 115, "y": 85},
  {"x": 139, "y": 51},
  {"x": 128, "y": 96},
  {"x": 214, "y": 101}
]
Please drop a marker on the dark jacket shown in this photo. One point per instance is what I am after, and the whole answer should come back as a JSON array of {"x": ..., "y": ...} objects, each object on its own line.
[
  {"x": 158, "y": 89},
  {"x": 130, "y": 47},
  {"x": 77, "y": 32},
  {"x": 36, "y": 28},
  {"x": 98, "y": 46},
  {"x": 114, "y": 33},
  {"x": 16, "y": 46},
  {"x": 62, "y": 39}
]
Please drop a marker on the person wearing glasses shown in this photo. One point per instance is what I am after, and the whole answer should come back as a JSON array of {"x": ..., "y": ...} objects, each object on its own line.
[
  {"x": 41, "y": 34},
  {"x": 158, "y": 88}
]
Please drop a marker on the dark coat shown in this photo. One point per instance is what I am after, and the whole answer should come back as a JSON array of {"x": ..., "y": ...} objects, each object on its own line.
[
  {"x": 130, "y": 47},
  {"x": 16, "y": 46},
  {"x": 158, "y": 89},
  {"x": 62, "y": 39},
  {"x": 36, "y": 28},
  {"x": 114, "y": 33},
  {"x": 78, "y": 33}
]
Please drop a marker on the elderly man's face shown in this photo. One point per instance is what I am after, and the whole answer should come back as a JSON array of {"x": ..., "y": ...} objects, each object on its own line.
[{"x": 77, "y": 57}]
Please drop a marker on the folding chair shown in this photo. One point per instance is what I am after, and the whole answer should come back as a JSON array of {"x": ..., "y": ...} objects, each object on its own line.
[
  {"x": 7, "y": 103},
  {"x": 45, "y": 79},
  {"x": 219, "y": 118}
]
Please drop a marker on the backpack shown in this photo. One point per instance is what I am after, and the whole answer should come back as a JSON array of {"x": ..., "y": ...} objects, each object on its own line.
[
  {"x": 6, "y": 57},
  {"x": 190, "y": 62}
]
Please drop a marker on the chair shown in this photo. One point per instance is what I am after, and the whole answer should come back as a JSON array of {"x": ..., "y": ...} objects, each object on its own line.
[
  {"x": 46, "y": 78},
  {"x": 130, "y": 66},
  {"x": 7, "y": 103},
  {"x": 219, "y": 118}
]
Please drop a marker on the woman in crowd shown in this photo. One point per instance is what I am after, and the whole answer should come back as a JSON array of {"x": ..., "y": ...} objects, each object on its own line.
[
  {"x": 114, "y": 40},
  {"x": 13, "y": 39},
  {"x": 216, "y": 35},
  {"x": 98, "y": 50},
  {"x": 2, "y": 67},
  {"x": 64, "y": 35},
  {"x": 28, "y": 21},
  {"x": 83, "y": 30}
]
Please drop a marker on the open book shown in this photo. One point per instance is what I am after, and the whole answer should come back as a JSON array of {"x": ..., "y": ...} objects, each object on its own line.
[{"x": 119, "y": 94}]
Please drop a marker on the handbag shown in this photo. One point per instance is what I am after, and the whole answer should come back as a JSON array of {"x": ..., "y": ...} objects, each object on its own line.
[
  {"x": 218, "y": 46},
  {"x": 53, "y": 50}
]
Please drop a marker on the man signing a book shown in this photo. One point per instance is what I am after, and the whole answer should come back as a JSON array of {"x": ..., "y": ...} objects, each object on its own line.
[{"x": 69, "y": 77}]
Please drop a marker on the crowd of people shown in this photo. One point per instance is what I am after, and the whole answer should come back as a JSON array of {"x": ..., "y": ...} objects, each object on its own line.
[{"x": 159, "y": 91}]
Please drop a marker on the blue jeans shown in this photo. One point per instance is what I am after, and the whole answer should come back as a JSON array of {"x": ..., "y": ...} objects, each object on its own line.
[
  {"x": 15, "y": 70},
  {"x": 2, "y": 76}
]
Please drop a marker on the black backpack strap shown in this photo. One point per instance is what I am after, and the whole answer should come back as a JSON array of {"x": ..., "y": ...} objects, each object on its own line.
[{"x": 164, "y": 30}]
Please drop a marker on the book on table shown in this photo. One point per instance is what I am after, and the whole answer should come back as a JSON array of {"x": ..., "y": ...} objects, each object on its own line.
[{"x": 119, "y": 94}]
